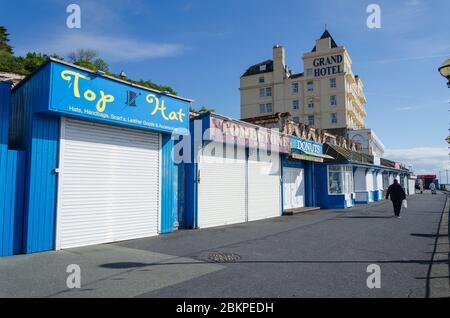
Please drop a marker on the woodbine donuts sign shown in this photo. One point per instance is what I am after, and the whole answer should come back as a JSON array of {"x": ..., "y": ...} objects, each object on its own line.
[{"x": 229, "y": 131}]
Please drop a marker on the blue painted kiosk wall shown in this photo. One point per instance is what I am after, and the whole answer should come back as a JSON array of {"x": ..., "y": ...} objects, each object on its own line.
[
  {"x": 11, "y": 182},
  {"x": 308, "y": 168},
  {"x": 42, "y": 99},
  {"x": 325, "y": 200}
]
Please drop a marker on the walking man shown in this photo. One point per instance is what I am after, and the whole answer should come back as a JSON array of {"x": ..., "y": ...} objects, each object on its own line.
[
  {"x": 433, "y": 188},
  {"x": 397, "y": 194}
]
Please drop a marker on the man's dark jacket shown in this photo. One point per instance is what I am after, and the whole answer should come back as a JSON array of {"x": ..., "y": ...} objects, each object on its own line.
[{"x": 396, "y": 192}]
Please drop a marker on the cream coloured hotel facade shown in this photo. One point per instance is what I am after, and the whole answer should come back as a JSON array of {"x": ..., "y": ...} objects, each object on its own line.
[{"x": 327, "y": 95}]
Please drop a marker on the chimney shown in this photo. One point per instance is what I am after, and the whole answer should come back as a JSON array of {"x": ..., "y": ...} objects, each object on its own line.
[{"x": 279, "y": 63}]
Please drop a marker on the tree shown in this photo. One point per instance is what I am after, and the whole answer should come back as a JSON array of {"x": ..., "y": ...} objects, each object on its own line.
[
  {"x": 101, "y": 65},
  {"x": 33, "y": 61},
  {"x": 206, "y": 110},
  {"x": 202, "y": 110},
  {"x": 82, "y": 55},
  {"x": 4, "y": 41}
]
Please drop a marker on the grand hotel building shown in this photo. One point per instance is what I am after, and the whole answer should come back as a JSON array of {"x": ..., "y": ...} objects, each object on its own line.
[{"x": 327, "y": 95}]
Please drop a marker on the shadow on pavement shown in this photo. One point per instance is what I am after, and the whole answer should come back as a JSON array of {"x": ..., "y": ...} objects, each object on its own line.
[
  {"x": 127, "y": 265},
  {"x": 366, "y": 217},
  {"x": 428, "y": 235}
]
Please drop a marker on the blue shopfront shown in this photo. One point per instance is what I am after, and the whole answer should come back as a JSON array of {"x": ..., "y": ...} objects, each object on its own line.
[
  {"x": 99, "y": 157},
  {"x": 234, "y": 174},
  {"x": 298, "y": 174},
  {"x": 343, "y": 185}
]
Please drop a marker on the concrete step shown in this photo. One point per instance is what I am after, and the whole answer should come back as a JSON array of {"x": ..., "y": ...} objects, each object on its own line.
[{"x": 300, "y": 210}]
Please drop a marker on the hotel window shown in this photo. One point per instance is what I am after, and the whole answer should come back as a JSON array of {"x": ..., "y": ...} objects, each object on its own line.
[
  {"x": 309, "y": 72},
  {"x": 310, "y": 104},
  {"x": 295, "y": 105},
  {"x": 334, "y": 118},
  {"x": 295, "y": 88},
  {"x": 333, "y": 100},
  {"x": 268, "y": 91},
  {"x": 310, "y": 86},
  {"x": 333, "y": 82},
  {"x": 262, "y": 92},
  {"x": 311, "y": 120},
  {"x": 261, "y": 79},
  {"x": 262, "y": 108},
  {"x": 296, "y": 119},
  {"x": 269, "y": 107}
]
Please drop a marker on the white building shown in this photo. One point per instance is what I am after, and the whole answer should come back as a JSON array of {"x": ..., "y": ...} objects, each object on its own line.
[{"x": 369, "y": 142}]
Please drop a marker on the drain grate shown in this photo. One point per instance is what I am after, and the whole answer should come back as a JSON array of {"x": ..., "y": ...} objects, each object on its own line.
[{"x": 218, "y": 257}]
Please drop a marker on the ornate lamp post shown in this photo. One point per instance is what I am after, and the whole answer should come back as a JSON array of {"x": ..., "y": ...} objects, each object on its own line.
[{"x": 445, "y": 70}]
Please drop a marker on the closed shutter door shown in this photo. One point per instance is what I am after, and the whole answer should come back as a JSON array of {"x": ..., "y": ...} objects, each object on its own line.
[
  {"x": 222, "y": 186},
  {"x": 294, "y": 188},
  {"x": 109, "y": 184},
  {"x": 264, "y": 187}
]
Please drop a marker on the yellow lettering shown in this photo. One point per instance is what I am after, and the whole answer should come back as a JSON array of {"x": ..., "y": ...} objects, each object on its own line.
[
  {"x": 173, "y": 116},
  {"x": 104, "y": 99},
  {"x": 90, "y": 95},
  {"x": 67, "y": 76},
  {"x": 181, "y": 114},
  {"x": 158, "y": 106}
]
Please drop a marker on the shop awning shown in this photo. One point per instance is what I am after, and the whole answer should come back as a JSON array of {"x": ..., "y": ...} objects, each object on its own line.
[
  {"x": 304, "y": 155},
  {"x": 347, "y": 155}
]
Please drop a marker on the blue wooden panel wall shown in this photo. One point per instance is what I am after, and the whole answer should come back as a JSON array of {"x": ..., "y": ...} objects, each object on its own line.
[
  {"x": 11, "y": 204},
  {"x": 41, "y": 183},
  {"x": 168, "y": 207},
  {"x": 11, "y": 182}
]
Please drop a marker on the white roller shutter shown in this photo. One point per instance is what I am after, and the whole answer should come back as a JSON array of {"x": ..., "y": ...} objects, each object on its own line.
[
  {"x": 264, "y": 186},
  {"x": 294, "y": 188},
  {"x": 108, "y": 184},
  {"x": 222, "y": 186}
]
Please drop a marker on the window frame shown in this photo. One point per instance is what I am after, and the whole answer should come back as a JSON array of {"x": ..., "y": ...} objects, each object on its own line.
[
  {"x": 333, "y": 100},
  {"x": 334, "y": 115},
  {"x": 263, "y": 108},
  {"x": 333, "y": 82}
]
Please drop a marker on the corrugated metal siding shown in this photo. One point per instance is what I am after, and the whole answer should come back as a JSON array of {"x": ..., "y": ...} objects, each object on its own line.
[
  {"x": 40, "y": 191},
  {"x": 168, "y": 207},
  {"x": 11, "y": 203},
  {"x": 38, "y": 134},
  {"x": 30, "y": 96},
  {"x": 11, "y": 182},
  {"x": 5, "y": 104}
]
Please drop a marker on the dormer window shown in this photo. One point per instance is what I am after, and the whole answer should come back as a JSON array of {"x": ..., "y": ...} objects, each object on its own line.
[{"x": 263, "y": 68}]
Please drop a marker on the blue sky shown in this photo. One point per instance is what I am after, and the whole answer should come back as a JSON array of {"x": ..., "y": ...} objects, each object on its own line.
[{"x": 202, "y": 47}]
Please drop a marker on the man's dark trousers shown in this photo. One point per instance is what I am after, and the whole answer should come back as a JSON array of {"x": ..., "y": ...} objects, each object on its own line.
[{"x": 397, "y": 207}]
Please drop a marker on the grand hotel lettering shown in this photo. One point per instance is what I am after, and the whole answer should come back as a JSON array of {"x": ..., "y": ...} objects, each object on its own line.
[{"x": 328, "y": 65}]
